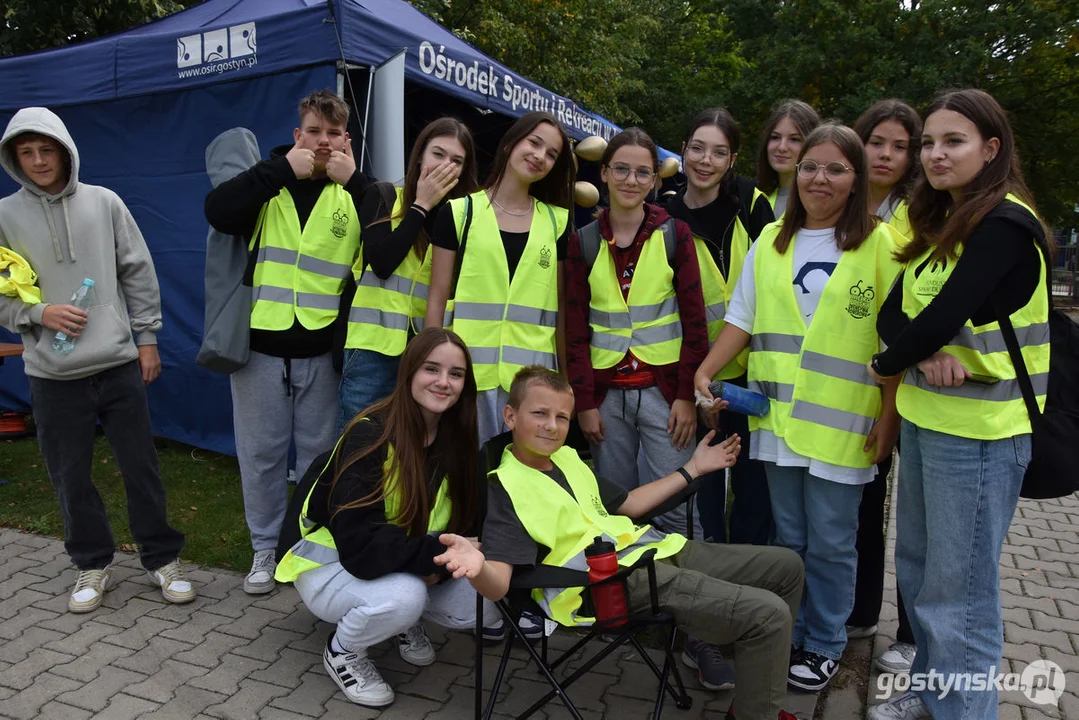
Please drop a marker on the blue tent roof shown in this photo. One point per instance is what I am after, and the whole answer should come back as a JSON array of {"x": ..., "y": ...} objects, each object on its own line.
[
  {"x": 142, "y": 106},
  {"x": 224, "y": 40}
]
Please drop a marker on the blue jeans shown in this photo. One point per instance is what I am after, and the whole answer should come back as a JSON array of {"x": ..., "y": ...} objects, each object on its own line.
[
  {"x": 956, "y": 500},
  {"x": 366, "y": 377},
  {"x": 818, "y": 519}
]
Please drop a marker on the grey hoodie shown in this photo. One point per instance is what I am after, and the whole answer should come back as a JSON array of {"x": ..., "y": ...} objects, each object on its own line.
[{"x": 84, "y": 231}]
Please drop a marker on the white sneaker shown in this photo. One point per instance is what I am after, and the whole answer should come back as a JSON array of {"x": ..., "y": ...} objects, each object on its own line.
[
  {"x": 90, "y": 588},
  {"x": 897, "y": 658},
  {"x": 357, "y": 677},
  {"x": 415, "y": 647},
  {"x": 907, "y": 706},
  {"x": 259, "y": 580},
  {"x": 174, "y": 586}
]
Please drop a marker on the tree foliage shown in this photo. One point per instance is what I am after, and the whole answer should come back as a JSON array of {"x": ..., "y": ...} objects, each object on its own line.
[{"x": 30, "y": 25}]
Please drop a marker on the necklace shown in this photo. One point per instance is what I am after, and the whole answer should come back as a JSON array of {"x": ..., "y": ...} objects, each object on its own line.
[{"x": 515, "y": 213}]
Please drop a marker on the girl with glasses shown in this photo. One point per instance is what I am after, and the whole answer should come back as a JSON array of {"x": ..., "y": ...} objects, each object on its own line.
[
  {"x": 635, "y": 327},
  {"x": 806, "y": 305},
  {"x": 726, "y": 214},
  {"x": 784, "y": 134}
]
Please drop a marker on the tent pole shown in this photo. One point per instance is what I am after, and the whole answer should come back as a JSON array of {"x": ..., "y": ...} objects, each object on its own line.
[{"x": 366, "y": 112}]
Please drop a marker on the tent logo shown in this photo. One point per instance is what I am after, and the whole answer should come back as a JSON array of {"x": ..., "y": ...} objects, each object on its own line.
[{"x": 216, "y": 45}]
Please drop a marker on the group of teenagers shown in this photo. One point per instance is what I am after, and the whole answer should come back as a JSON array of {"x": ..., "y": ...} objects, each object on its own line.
[{"x": 857, "y": 284}]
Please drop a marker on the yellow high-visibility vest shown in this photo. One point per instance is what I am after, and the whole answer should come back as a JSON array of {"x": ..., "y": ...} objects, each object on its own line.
[
  {"x": 647, "y": 321},
  {"x": 823, "y": 400},
  {"x": 976, "y": 410},
  {"x": 383, "y": 311},
  {"x": 299, "y": 275},
  {"x": 506, "y": 324},
  {"x": 566, "y": 525}
]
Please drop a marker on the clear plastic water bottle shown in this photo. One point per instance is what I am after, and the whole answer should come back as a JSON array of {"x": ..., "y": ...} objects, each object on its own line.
[
  {"x": 739, "y": 399},
  {"x": 81, "y": 299}
]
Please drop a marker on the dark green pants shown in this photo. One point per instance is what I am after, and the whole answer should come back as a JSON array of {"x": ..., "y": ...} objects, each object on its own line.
[{"x": 740, "y": 595}]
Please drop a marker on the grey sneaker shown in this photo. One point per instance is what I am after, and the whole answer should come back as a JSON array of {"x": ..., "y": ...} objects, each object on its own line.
[
  {"x": 897, "y": 658},
  {"x": 415, "y": 647},
  {"x": 90, "y": 588},
  {"x": 357, "y": 677},
  {"x": 857, "y": 632},
  {"x": 713, "y": 671},
  {"x": 174, "y": 586},
  {"x": 259, "y": 580},
  {"x": 907, "y": 706}
]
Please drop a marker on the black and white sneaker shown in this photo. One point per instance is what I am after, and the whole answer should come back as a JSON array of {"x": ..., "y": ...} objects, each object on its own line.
[
  {"x": 415, "y": 647},
  {"x": 357, "y": 677},
  {"x": 811, "y": 671}
]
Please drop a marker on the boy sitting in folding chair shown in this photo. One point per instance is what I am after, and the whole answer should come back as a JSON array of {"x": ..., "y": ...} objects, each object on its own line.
[{"x": 546, "y": 506}]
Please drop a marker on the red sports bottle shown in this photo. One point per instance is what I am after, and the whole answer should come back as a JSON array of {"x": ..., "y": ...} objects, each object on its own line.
[{"x": 609, "y": 599}]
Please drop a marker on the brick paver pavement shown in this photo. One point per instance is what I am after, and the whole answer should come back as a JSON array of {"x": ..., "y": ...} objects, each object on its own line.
[
  {"x": 232, "y": 655},
  {"x": 1039, "y": 590}
]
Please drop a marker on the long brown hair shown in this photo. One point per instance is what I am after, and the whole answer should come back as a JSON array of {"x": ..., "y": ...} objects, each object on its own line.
[
  {"x": 804, "y": 117},
  {"x": 456, "y": 444},
  {"x": 466, "y": 182},
  {"x": 906, "y": 116},
  {"x": 943, "y": 225},
  {"x": 855, "y": 223},
  {"x": 720, "y": 118},
  {"x": 556, "y": 187}
]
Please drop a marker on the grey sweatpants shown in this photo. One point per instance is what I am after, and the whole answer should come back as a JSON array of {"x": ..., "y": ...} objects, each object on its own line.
[
  {"x": 268, "y": 414},
  {"x": 367, "y": 612},
  {"x": 636, "y": 420}
]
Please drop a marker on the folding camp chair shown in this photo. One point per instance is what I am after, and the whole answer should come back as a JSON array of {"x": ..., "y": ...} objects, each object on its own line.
[{"x": 519, "y": 599}]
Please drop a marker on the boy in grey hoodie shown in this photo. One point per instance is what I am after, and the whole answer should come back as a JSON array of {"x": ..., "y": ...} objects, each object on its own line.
[{"x": 68, "y": 231}]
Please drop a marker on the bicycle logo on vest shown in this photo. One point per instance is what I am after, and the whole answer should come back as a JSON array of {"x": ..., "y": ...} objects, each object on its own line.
[
  {"x": 860, "y": 300},
  {"x": 340, "y": 223},
  {"x": 545, "y": 257},
  {"x": 597, "y": 504}
]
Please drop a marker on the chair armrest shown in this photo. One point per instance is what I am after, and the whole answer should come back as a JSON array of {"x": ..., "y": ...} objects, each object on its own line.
[{"x": 547, "y": 576}]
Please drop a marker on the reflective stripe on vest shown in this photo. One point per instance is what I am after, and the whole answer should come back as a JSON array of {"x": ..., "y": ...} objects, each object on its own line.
[
  {"x": 383, "y": 310},
  {"x": 506, "y": 323},
  {"x": 566, "y": 524},
  {"x": 824, "y": 403},
  {"x": 317, "y": 547},
  {"x": 976, "y": 410},
  {"x": 299, "y": 275},
  {"x": 647, "y": 319}
]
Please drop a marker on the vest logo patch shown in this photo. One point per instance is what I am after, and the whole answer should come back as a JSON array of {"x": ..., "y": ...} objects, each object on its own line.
[
  {"x": 860, "y": 300},
  {"x": 545, "y": 257},
  {"x": 340, "y": 223},
  {"x": 597, "y": 505}
]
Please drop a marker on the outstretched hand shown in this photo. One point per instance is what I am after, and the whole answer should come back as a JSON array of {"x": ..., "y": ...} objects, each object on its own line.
[
  {"x": 462, "y": 557},
  {"x": 707, "y": 458}
]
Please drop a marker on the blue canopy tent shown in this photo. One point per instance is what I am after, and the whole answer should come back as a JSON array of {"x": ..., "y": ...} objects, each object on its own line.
[{"x": 143, "y": 105}]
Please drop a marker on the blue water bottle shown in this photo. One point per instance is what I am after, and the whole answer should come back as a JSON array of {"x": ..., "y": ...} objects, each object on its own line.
[
  {"x": 739, "y": 399},
  {"x": 81, "y": 299}
]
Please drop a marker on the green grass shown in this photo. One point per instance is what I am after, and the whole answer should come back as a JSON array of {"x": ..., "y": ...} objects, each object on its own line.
[{"x": 203, "y": 489}]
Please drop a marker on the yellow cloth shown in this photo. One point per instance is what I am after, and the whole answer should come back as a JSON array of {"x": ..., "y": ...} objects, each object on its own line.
[{"x": 17, "y": 278}]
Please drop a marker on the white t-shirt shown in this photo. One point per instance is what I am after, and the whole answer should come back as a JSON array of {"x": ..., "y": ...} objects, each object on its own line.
[{"x": 815, "y": 258}]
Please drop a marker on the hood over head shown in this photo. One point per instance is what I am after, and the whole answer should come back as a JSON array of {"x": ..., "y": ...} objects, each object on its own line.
[{"x": 44, "y": 122}]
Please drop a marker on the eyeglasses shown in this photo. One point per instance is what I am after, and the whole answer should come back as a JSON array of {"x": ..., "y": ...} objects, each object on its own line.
[
  {"x": 696, "y": 153},
  {"x": 621, "y": 172},
  {"x": 808, "y": 169}
]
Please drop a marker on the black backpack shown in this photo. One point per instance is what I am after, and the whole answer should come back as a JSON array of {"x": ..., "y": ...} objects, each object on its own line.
[
  {"x": 591, "y": 239},
  {"x": 1053, "y": 471}
]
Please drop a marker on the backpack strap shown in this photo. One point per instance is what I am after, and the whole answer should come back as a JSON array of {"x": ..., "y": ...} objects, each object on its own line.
[
  {"x": 590, "y": 242},
  {"x": 461, "y": 246},
  {"x": 670, "y": 239},
  {"x": 1016, "y": 354}
]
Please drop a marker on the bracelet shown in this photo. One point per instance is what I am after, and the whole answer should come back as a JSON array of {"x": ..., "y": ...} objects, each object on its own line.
[
  {"x": 685, "y": 474},
  {"x": 417, "y": 206}
]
